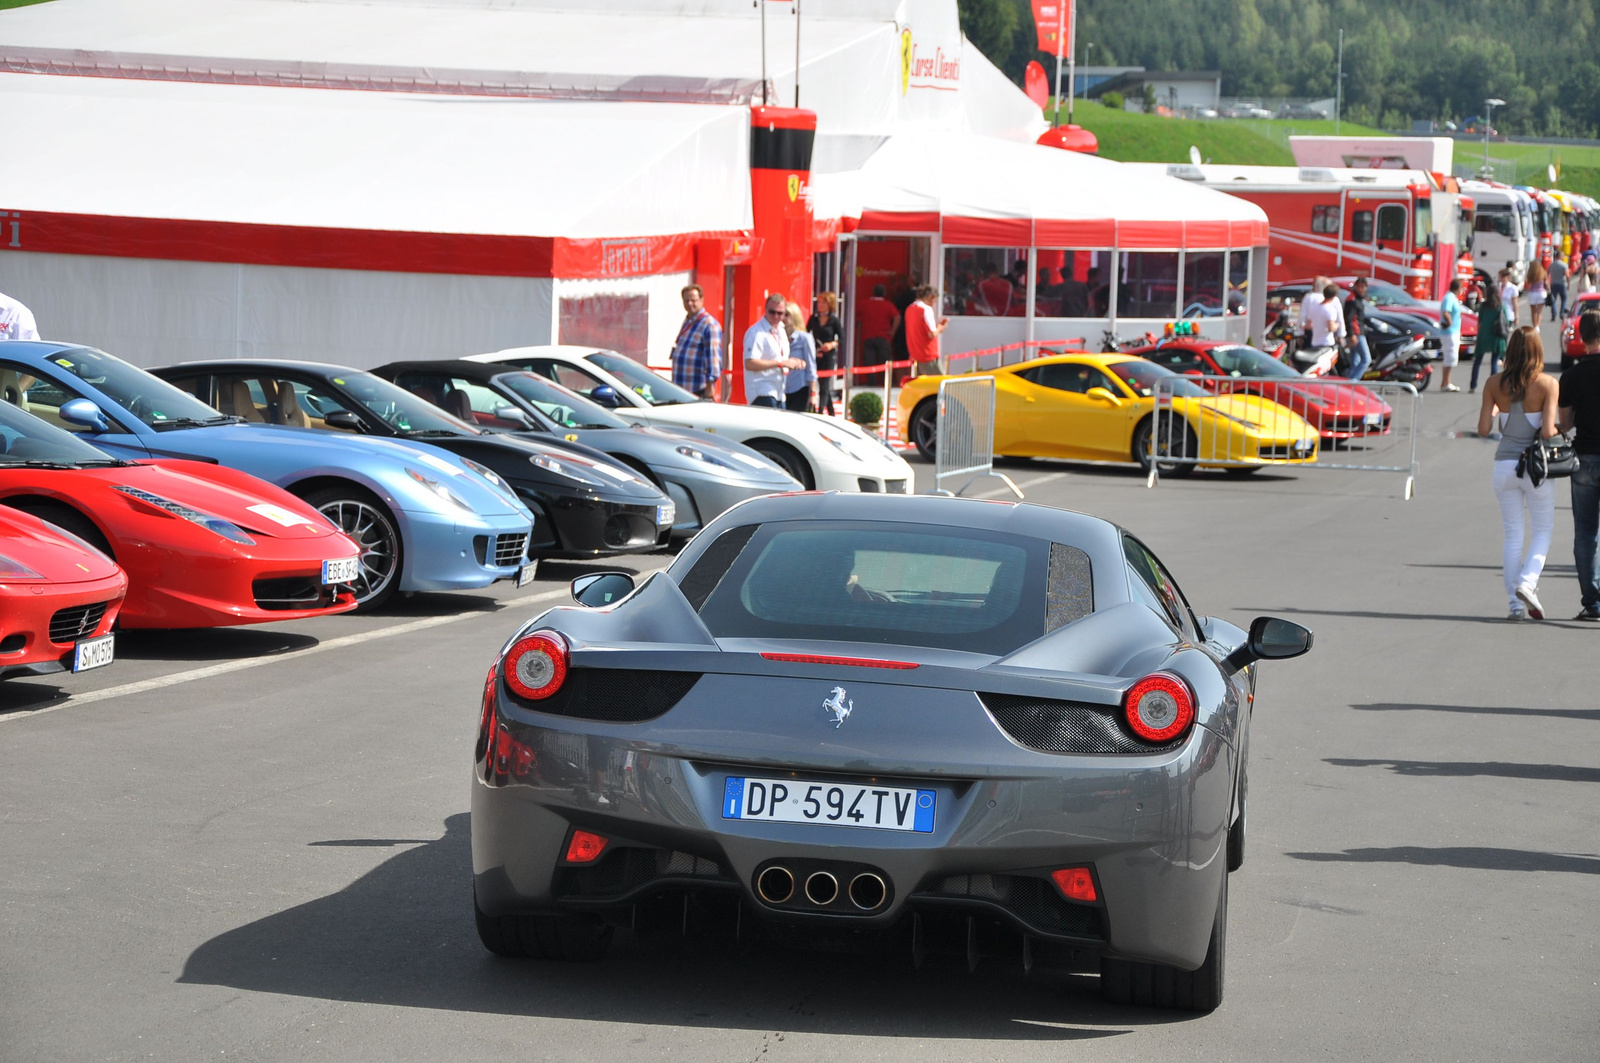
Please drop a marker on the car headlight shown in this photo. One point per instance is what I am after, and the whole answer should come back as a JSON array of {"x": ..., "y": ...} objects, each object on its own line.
[
  {"x": 10, "y": 569},
  {"x": 565, "y": 469},
  {"x": 1381, "y": 326},
  {"x": 486, "y": 472},
  {"x": 841, "y": 446},
  {"x": 696, "y": 454},
  {"x": 439, "y": 489},
  {"x": 226, "y": 529}
]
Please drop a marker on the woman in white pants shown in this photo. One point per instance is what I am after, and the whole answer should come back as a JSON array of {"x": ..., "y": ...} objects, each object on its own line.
[{"x": 1520, "y": 401}]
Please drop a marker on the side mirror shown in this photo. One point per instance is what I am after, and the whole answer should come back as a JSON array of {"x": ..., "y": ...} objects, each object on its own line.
[
  {"x": 601, "y": 588},
  {"x": 508, "y": 412},
  {"x": 85, "y": 414},
  {"x": 1271, "y": 639},
  {"x": 344, "y": 420},
  {"x": 1103, "y": 395},
  {"x": 606, "y": 395}
]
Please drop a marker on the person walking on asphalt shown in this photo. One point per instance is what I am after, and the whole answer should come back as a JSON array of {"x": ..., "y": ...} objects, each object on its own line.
[
  {"x": 1355, "y": 318},
  {"x": 1534, "y": 292},
  {"x": 1558, "y": 289},
  {"x": 1580, "y": 409},
  {"x": 697, "y": 354},
  {"x": 798, "y": 385},
  {"x": 1508, "y": 298},
  {"x": 1492, "y": 332},
  {"x": 1450, "y": 321},
  {"x": 766, "y": 356},
  {"x": 1521, "y": 402}
]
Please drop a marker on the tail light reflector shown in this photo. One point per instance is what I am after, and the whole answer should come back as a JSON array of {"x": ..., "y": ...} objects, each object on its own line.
[
  {"x": 536, "y": 666},
  {"x": 585, "y": 848},
  {"x": 1159, "y": 707},
  {"x": 1075, "y": 884}
]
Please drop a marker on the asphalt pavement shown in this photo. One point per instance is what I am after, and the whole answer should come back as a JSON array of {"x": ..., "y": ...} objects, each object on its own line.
[{"x": 253, "y": 844}]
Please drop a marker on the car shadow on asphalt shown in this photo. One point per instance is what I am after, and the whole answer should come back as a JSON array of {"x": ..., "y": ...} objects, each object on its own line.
[
  {"x": 403, "y": 934},
  {"x": 1472, "y": 857},
  {"x": 1483, "y": 710},
  {"x": 25, "y": 697},
  {"x": 413, "y": 606},
  {"x": 1497, "y": 619},
  {"x": 1464, "y": 769},
  {"x": 208, "y": 644}
]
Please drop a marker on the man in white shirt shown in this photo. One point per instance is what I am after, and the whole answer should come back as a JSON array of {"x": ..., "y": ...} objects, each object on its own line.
[
  {"x": 766, "y": 356},
  {"x": 16, "y": 320},
  {"x": 1327, "y": 327}
]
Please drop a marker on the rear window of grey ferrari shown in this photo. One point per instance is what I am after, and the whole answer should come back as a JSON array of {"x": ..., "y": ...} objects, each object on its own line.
[{"x": 895, "y": 584}]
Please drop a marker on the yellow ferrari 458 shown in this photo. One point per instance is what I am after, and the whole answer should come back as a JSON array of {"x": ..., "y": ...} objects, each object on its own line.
[{"x": 1102, "y": 407}]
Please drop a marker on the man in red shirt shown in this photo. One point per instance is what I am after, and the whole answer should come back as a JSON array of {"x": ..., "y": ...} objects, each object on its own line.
[
  {"x": 922, "y": 329},
  {"x": 878, "y": 318}
]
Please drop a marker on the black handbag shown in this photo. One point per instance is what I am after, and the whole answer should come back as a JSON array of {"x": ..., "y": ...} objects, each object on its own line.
[{"x": 1547, "y": 459}]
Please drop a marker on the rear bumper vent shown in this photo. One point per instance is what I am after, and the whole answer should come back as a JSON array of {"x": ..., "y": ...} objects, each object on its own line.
[{"x": 1052, "y": 726}]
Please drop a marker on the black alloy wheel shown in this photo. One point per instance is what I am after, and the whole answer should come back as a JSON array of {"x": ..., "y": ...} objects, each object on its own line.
[
  {"x": 925, "y": 428},
  {"x": 365, "y": 520},
  {"x": 1167, "y": 443}
]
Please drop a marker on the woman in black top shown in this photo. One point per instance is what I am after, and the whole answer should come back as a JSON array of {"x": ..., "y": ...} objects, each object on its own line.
[{"x": 824, "y": 328}]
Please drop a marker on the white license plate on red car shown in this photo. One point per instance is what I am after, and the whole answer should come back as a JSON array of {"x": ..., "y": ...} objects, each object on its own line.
[
  {"x": 829, "y": 804},
  {"x": 93, "y": 653},
  {"x": 341, "y": 570}
]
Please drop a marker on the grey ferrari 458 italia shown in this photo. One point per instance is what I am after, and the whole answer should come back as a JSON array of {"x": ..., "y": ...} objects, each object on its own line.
[{"x": 982, "y": 726}]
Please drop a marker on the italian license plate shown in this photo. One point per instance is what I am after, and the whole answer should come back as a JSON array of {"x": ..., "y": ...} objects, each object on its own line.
[
  {"x": 829, "y": 804},
  {"x": 341, "y": 570},
  {"x": 666, "y": 514},
  {"x": 92, "y": 653},
  {"x": 1373, "y": 420},
  {"x": 526, "y": 573}
]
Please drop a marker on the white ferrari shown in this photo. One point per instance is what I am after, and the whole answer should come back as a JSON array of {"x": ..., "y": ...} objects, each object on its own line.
[{"x": 820, "y": 452}]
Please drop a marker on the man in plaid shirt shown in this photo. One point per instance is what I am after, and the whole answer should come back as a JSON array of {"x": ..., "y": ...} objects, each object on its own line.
[{"x": 697, "y": 356}]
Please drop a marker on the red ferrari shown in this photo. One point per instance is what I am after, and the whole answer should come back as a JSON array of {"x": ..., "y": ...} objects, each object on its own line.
[
  {"x": 1571, "y": 344},
  {"x": 1336, "y": 411},
  {"x": 58, "y": 599},
  {"x": 203, "y": 545}
]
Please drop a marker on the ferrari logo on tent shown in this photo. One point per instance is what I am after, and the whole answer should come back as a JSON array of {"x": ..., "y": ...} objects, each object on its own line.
[
  {"x": 794, "y": 187},
  {"x": 905, "y": 61}
]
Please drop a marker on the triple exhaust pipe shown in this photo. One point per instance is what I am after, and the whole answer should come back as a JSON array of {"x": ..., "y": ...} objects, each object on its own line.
[{"x": 867, "y": 890}]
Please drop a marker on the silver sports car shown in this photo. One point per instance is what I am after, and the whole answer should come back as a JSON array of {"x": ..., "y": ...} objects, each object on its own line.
[{"x": 961, "y": 721}]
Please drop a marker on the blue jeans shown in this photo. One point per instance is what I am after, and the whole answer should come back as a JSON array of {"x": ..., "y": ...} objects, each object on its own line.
[
  {"x": 1558, "y": 300},
  {"x": 767, "y": 400},
  {"x": 1360, "y": 358},
  {"x": 1494, "y": 354},
  {"x": 1586, "y": 525}
]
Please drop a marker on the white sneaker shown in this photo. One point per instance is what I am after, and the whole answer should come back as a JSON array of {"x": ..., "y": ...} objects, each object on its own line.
[
  {"x": 1517, "y": 613},
  {"x": 1526, "y": 596},
  {"x": 1450, "y": 387}
]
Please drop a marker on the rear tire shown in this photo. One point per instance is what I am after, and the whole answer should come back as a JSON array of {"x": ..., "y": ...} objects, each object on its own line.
[
  {"x": 1159, "y": 985},
  {"x": 577, "y": 939},
  {"x": 786, "y": 458},
  {"x": 925, "y": 428}
]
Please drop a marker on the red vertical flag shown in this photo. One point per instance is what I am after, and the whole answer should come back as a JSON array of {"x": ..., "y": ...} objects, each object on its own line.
[{"x": 1052, "y": 19}]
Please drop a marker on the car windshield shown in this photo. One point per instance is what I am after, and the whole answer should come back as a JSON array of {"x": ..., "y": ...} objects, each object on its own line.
[
  {"x": 1238, "y": 360},
  {"x": 645, "y": 384},
  {"x": 406, "y": 413},
  {"x": 563, "y": 406},
  {"x": 24, "y": 439},
  {"x": 149, "y": 398},
  {"x": 1142, "y": 377},
  {"x": 1382, "y": 293},
  {"x": 899, "y": 584}
]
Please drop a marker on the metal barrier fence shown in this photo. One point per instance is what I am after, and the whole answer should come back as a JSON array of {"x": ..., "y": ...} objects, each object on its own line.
[
  {"x": 964, "y": 440},
  {"x": 1243, "y": 424}
]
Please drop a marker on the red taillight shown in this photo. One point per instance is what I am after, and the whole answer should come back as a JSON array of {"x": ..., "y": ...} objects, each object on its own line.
[
  {"x": 852, "y": 662},
  {"x": 1159, "y": 707},
  {"x": 585, "y": 848},
  {"x": 1075, "y": 884},
  {"x": 536, "y": 666}
]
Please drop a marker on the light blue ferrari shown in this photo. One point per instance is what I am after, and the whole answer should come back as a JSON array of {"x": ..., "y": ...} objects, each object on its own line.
[{"x": 426, "y": 520}]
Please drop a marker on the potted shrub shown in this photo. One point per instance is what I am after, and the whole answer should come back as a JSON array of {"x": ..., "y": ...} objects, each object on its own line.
[{"x": 866, "y": 409}]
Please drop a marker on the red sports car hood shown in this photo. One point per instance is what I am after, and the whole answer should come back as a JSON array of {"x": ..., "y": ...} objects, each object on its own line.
[
  {"x": 44, "y": 548},
  {"x": 1339, "y": 400},
  {"x": 254, "y": 505}
]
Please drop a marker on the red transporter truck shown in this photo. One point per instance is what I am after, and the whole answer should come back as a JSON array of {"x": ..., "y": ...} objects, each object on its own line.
[{"x": 1365, "y": 206}]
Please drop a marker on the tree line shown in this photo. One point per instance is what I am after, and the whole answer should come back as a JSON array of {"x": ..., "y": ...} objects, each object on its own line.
[{"x": 1423, "y": 59}]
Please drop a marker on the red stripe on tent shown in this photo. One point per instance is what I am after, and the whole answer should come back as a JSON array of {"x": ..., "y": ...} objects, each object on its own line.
[
  {"x": 989, "y": 232},
  {"x": 1143, "y": 234},
  {"x": 1055, "y": 232},
  {"x": 899, "y": 221},
  {"x": 1207, "y": 233},
  {"x": 472, "y": 254}
]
